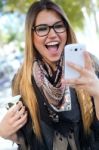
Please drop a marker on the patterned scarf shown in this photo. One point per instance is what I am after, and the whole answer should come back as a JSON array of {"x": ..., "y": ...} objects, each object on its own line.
[{"x": 49, "y": 82}]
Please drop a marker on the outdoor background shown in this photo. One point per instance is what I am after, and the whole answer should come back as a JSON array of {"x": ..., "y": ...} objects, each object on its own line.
[{"x": 83, "y": 16}]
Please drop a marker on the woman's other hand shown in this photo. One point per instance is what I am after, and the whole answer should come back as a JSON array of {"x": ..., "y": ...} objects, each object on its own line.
[{"x": 14, "y": 119}]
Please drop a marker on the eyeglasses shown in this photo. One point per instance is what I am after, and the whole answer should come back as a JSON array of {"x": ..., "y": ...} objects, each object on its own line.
[{"x": 44, "y": 29}]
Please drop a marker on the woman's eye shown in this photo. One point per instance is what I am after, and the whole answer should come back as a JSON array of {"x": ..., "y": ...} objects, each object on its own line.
[
  {"x": 42, "y": 29},
  {"x": 59, "y": 26}
]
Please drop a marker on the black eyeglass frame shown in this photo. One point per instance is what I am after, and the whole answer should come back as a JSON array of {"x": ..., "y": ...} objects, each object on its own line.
[{"x": 50, "y": 27}]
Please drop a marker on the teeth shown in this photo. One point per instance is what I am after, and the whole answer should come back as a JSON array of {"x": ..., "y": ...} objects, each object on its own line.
[{"x": 52, "y": 43}]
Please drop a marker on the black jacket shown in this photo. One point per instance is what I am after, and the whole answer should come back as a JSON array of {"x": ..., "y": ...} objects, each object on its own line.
[{"x": 64, "y": 123}]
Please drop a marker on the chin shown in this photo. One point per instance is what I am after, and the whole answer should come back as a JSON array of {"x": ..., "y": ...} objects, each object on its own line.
[{"x": 55, "y": 60}]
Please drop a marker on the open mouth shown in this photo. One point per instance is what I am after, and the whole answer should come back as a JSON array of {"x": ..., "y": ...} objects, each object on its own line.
[{"x": 52, "y": 46}]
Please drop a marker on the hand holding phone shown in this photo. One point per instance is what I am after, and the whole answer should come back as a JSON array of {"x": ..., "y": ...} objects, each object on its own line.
[{"x": 73, "y": 53}]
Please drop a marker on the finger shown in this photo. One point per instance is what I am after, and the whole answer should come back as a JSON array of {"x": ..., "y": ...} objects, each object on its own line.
[
  {"x": 19, "y": 124},
  {"x": 19, "y": 104},
  {"x": 15, "y": 108},
  {"x": 76, "y": 81},
  {"x": 76, "y": 67},
  {"x": 73, "y": 81},
  {"x": 88, "y": 61},
  {"x": 19, "y": 113},
  {"x": 21, "y": 121}
]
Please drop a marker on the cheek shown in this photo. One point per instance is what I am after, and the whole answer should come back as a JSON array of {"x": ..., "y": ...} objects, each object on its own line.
[
  {"x": 38, "y": 43},
  {"x": 64, "y": 38},
  {"x": 36, "y": 40}
]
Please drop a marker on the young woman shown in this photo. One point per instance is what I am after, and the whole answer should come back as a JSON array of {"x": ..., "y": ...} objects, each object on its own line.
[{"x": 61, "y": 117}]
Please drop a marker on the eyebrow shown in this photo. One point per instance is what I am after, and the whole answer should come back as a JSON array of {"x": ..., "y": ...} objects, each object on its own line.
[{"x": 48, "y": 24}]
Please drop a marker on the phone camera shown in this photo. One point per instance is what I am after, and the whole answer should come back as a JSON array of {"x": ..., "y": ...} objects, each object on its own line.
[{"x": 75, "y": 49}]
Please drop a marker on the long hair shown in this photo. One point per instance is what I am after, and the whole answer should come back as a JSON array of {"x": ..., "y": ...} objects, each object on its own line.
[{"x": 22, "y": 83}]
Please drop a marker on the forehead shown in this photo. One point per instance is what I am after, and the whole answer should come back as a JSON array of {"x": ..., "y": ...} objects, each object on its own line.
[{"x": 47, "y": 17}]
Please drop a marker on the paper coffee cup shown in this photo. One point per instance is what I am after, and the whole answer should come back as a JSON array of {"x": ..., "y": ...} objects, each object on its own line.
[{"x": 9, "y": 101}]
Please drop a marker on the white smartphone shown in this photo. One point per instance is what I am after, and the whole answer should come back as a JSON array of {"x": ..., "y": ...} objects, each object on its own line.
[
  {"x": 73, "y": 53},
  {"x": 9, "y": 101}
]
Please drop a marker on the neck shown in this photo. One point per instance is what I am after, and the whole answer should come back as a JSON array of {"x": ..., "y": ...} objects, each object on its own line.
[{"x": 51, "y": 64}]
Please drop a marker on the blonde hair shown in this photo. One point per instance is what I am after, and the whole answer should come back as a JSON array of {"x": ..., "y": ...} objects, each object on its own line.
[{"x": 22, "y": 83}]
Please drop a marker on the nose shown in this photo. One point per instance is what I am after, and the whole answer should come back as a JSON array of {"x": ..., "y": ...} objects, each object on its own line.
[{"x": 52, "y": 33}]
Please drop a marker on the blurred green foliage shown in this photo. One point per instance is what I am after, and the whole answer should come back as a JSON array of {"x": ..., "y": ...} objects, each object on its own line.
[{"x": 73, "y": 8}]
